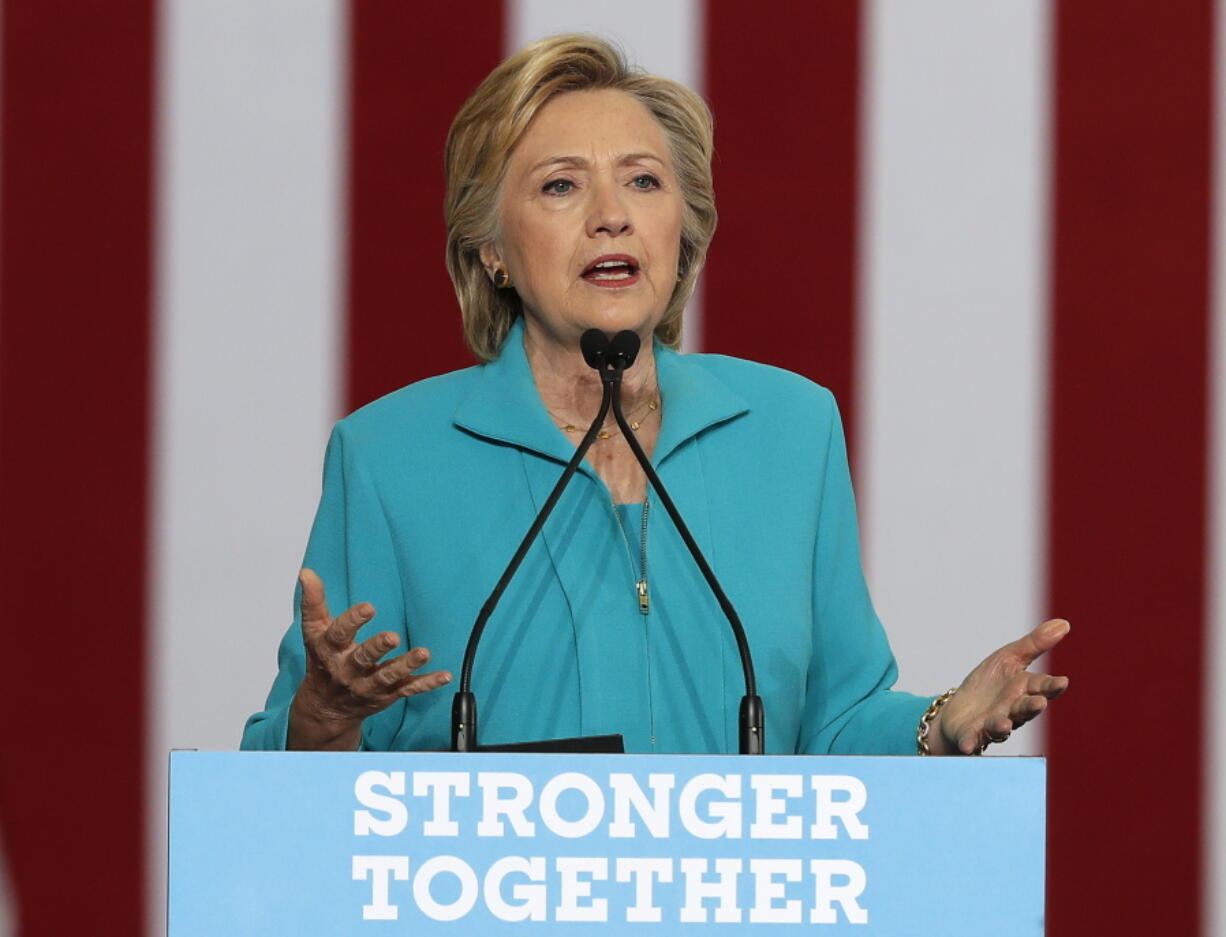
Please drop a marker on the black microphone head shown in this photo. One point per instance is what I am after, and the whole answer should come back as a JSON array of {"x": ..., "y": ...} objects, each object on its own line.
[
  {"x": 624, "y": 349},
  {"x": 595, "y": 347}
]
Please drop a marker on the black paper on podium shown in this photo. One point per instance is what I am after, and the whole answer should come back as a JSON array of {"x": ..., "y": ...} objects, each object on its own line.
[{"x": 588, "y": 745}]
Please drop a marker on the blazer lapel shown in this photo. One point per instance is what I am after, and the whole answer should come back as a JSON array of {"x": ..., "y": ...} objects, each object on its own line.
[{"x": 505, "y": 406}]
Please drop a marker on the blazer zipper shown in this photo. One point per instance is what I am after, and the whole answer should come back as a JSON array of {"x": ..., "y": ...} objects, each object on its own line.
[{"x": 641, "y": 591}]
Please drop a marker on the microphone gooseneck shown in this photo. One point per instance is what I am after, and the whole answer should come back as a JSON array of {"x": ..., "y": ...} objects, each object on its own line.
[
  {"x": 595, "y": 347},
  {"x": 621, "y": 354}
]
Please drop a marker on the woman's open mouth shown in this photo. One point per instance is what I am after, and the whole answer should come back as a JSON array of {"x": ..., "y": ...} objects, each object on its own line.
[{"x": 612, "y": 271}]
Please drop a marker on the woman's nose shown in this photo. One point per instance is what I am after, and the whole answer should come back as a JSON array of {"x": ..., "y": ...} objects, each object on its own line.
[{"x": 609, "y": 213}]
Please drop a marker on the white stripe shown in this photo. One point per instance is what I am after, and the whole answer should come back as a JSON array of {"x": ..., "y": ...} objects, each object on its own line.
[
  {"x": 662, "y": 38},
  {"x": 1214, "y": 719},
  {"x": 952, "y": 368},
  {"x": 247, "y": 312}
]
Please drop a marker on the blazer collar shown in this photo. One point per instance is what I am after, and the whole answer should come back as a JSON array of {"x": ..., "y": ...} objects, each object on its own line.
[{"x": 505, "y": 406}]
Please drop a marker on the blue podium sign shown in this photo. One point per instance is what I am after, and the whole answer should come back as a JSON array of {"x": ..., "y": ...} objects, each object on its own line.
[{"x": 429, "y": 843}]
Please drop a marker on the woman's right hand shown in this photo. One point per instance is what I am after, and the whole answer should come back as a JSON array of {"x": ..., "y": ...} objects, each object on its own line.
[{"x": 344, "y": 681}]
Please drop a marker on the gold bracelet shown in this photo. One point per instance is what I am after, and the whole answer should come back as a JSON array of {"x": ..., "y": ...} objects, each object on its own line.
[{"x": 925, "y": 723}]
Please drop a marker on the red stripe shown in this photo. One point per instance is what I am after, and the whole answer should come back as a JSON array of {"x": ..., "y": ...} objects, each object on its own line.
[
  {"x": 75, "y": 202},
  {"x": 412, "y": 66},
  {"x": 780, "y": 282},
  {"x": 1128, "y": 463}
]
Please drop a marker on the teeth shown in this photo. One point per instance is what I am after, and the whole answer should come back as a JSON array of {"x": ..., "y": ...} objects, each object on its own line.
[{"x": 611, "y": 270}]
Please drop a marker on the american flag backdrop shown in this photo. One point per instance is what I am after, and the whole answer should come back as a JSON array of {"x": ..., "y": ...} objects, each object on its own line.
[{"x": 993, "y": 229}]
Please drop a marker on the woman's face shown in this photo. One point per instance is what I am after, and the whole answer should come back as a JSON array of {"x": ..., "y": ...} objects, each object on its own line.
[{"x": 590, "y": 218}]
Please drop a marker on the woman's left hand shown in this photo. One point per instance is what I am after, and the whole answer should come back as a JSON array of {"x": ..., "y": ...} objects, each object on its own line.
[{"x": 999, "y": 695}]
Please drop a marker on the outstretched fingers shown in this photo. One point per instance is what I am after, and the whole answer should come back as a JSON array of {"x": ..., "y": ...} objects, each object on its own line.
[
  {"x": 346, "y": 681},
  {"x": 1026, "y": 708},
  {"x": 969, "y": 742},
  {"x": 1041, "y": 640},
  {"x": 366, "y": 655},
  {"x": 995, "y": 728},
  {"x": 423, "y": 683},
  {"x": 340, "y": 633},
  {"x": 1039, "y": 688},
  {"x": 1047, "y": 686},
  {"x": 399, "y": 677},
  {"x": 313, "y": 602},
  {"x": 1000, "y": 694}
]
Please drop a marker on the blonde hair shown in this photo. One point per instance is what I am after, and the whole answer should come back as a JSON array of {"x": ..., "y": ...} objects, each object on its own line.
[{"x": 491, "y": 123}]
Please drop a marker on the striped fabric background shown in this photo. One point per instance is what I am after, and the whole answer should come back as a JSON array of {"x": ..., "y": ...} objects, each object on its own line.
[{"x": 991, "y": 228}]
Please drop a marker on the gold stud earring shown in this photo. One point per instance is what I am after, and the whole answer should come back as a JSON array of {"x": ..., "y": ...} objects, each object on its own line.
[{"x": 502, "y": 279}]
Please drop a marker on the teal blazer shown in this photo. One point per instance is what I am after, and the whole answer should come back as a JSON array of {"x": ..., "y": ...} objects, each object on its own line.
[{"x": 428, "y": 491}]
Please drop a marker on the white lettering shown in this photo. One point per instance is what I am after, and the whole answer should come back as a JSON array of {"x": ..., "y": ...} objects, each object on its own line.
[
  {"x": 724, "y": 889},
  {"x": 826, "y": 892},
  {"x": 364, "y": 822},
  {"x": 845, "y": 809},
  {"x": 380, "y": 870},
  {"x": 767, "y": 890},
  {"x": 442, "y": 784},
  {"x": 438, "y": 865},
  {"x": 653, "y": 813},
  {"x": 573, "y": 888},
  {"x": 768, "y": 806},
  {"x": 491, "y": 782},
  {"x": 530, "y": 899},
  {"x": 727, "y": 814},
  {"x": 643, "y": 872},
  {"x": 571, "y": 781}
]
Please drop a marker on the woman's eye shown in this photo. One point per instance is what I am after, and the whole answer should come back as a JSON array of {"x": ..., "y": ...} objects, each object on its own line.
[
  {"x": 646, "y": 181},
  {"x": 557, "y": 187}
]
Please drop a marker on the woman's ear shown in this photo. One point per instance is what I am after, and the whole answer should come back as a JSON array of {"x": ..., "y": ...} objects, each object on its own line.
[{"x": 491, "y": 260}]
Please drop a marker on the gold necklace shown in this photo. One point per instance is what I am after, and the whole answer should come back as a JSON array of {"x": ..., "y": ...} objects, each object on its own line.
[{"x": 652, "y": 405}]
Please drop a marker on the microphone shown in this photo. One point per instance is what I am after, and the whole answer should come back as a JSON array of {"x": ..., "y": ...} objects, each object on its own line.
[
  {"x": 622, "y": 351},
  {"x": 610, "y": 359},
  {"x": 595, "y": 347}
]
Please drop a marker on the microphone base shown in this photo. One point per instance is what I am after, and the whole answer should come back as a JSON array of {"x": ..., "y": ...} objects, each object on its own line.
[{"x": 752, "y": 726}]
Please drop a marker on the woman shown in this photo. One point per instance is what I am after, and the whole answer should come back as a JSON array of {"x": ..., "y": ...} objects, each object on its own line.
[{"x": 579, "y": 196}]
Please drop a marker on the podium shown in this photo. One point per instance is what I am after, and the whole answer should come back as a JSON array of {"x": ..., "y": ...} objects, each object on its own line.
[{"x": 493, "y": 844}]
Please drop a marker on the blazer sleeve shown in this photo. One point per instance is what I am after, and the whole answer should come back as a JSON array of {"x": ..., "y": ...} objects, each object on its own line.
[
  {"x": 351, "y": 550},
  {"x": 849, "y": 707}
]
